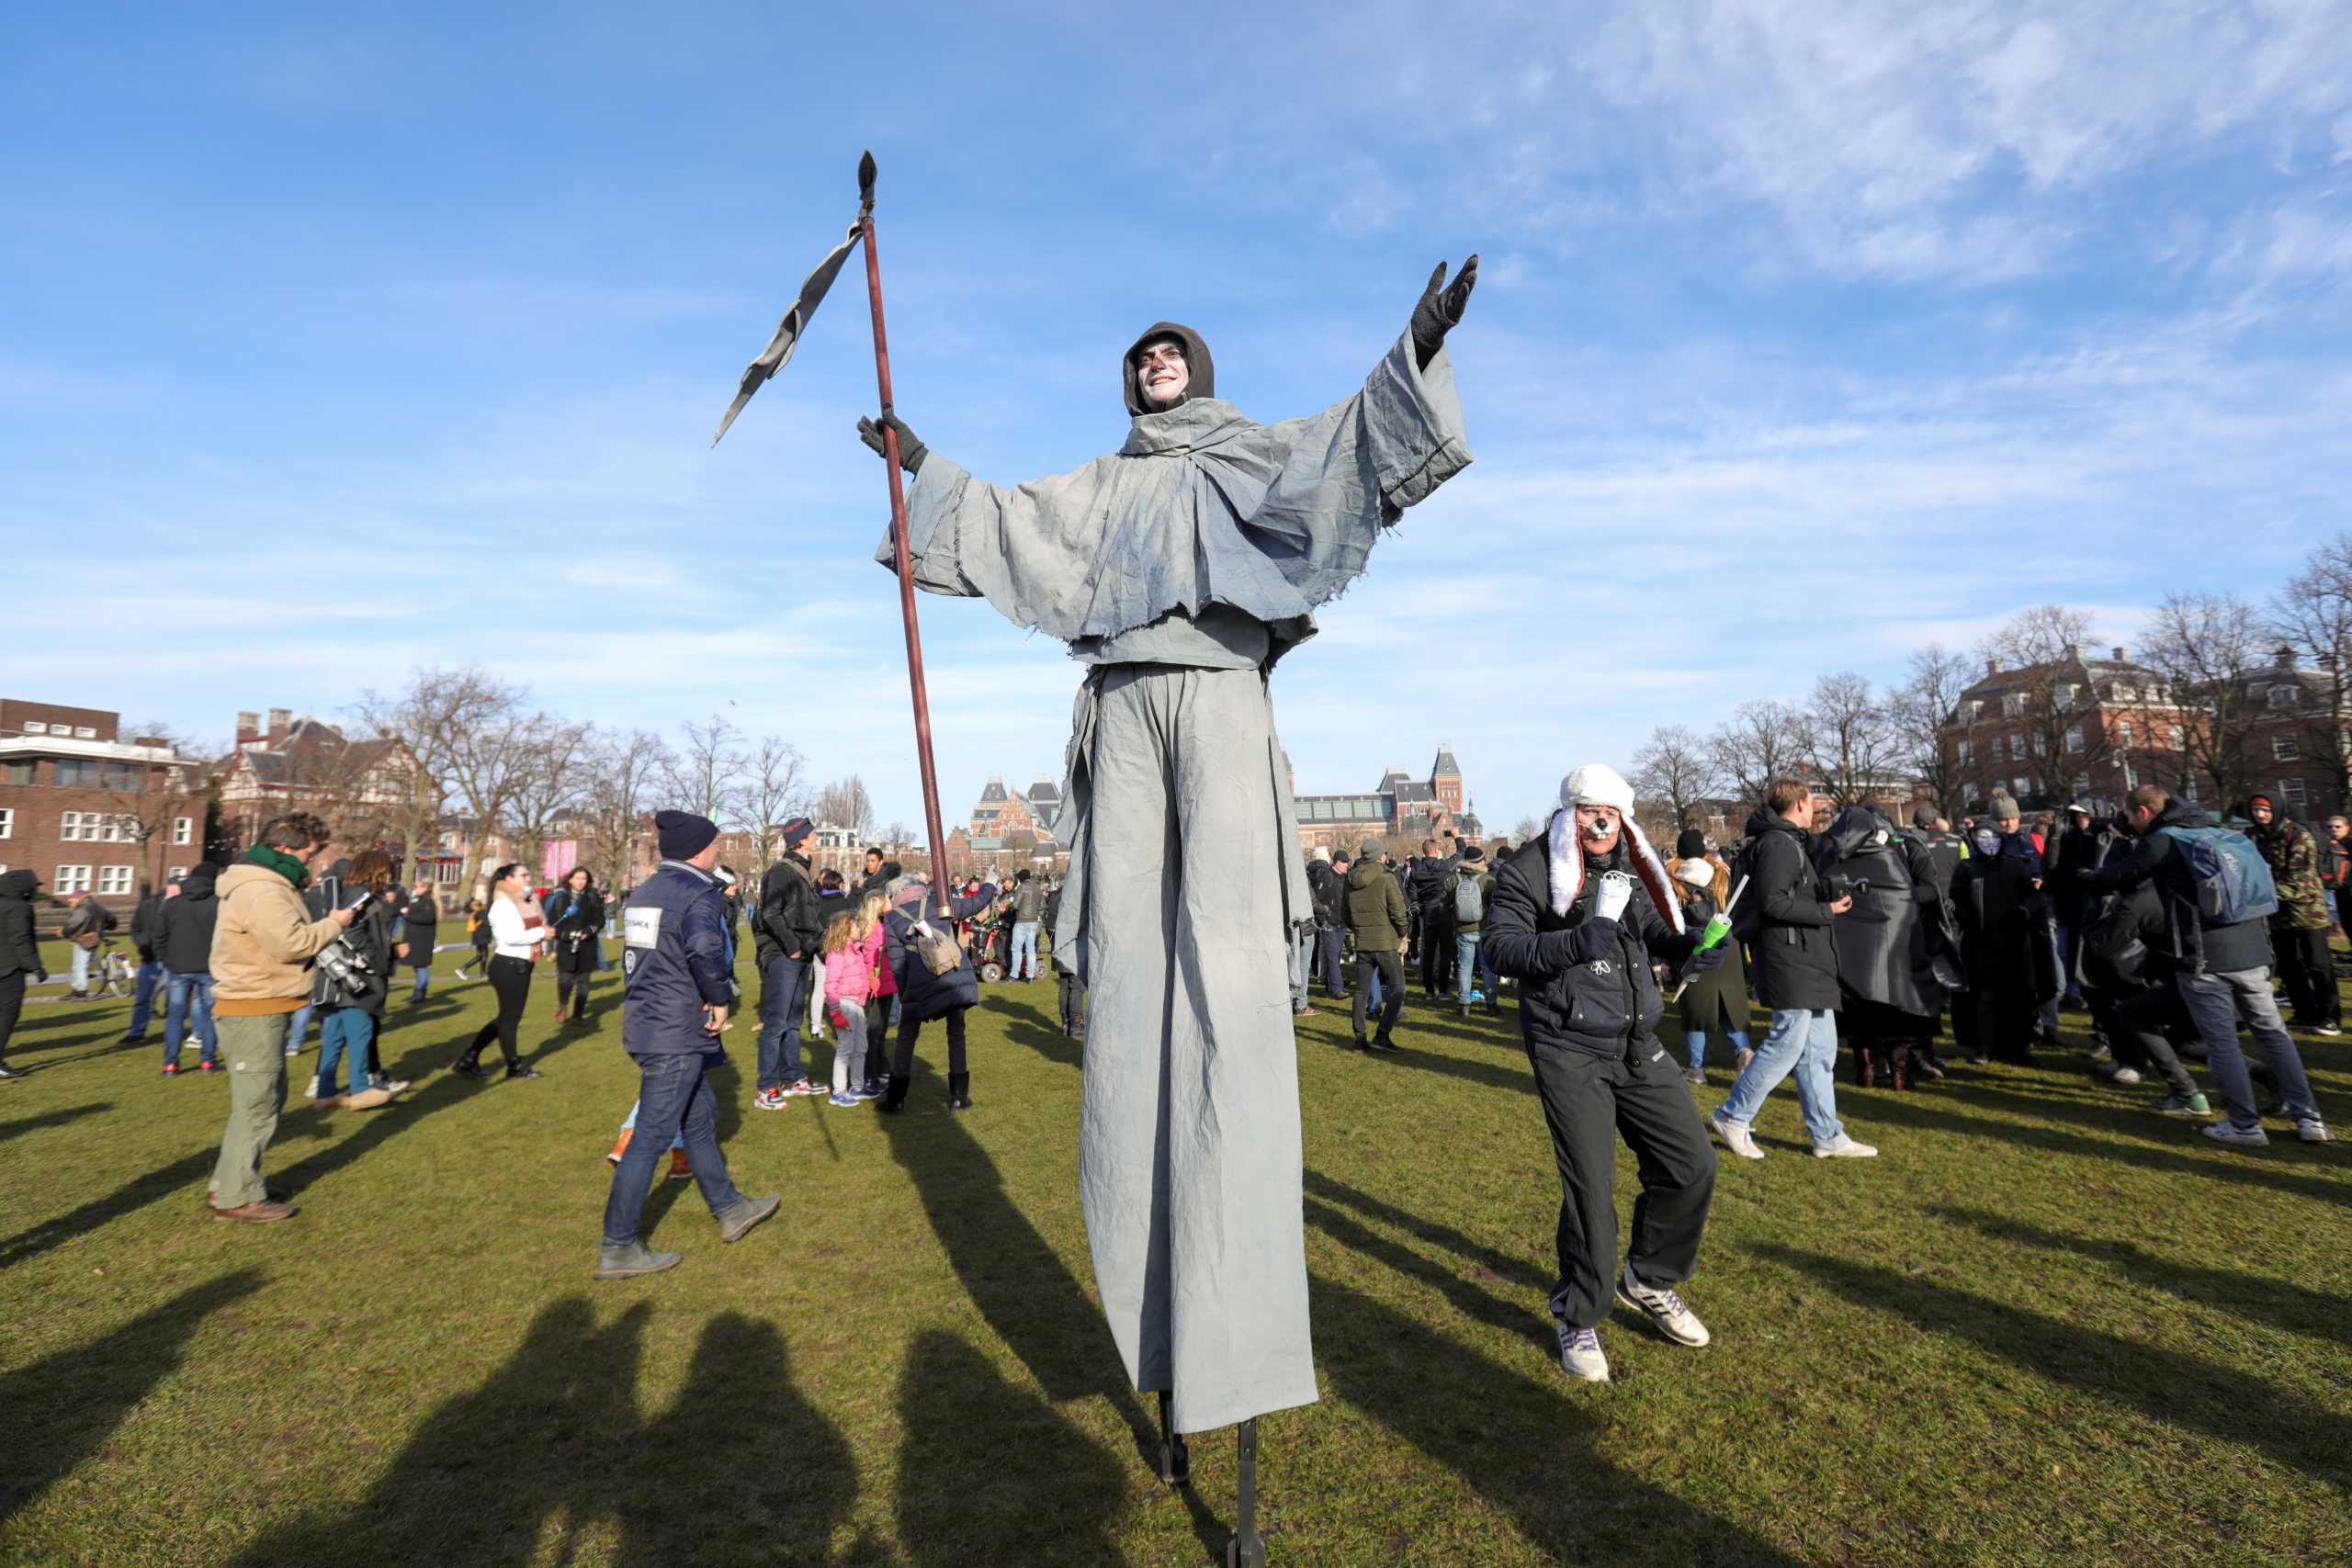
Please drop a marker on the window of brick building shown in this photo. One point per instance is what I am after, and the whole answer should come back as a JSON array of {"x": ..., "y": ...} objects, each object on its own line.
[
  {"x": 2295, "y": 792},
  {"x": 7, "y": 823},
  {"x": 2284, "y": 749},
  {"x": 19, "y": 772},
  {"x": 183, "y": 829},
  {"x": 114, "y": 881},
  {"x": 35, "y": 726},
  {"x": 70, "y": 879},
  {"x": 2074, "y": 741}
]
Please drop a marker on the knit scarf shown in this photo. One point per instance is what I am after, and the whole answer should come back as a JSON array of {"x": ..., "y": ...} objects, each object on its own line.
[{"x": 278, "y": 861}]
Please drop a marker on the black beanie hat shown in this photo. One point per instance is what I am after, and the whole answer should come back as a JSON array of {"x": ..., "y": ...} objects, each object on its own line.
[
  {"x": 684, "y": 835},
  {"x": 797, "y": 829},
  {"x": 1690, "y": 844}
]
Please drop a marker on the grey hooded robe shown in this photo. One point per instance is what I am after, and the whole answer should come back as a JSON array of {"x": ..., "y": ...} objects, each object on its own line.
[{"x": 1181, "y": 568}]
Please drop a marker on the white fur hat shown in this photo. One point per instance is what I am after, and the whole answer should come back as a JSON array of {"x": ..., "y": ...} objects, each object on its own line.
[{"x": 1597, "y": 783}]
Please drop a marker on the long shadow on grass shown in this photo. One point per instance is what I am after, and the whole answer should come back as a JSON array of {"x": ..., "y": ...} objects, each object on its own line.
[
  {"x": 2163, "y": 1386},
  {"x": 1014, "y": 1276},
  {"x": 2291, "y": 1307},
  {"x": 555, "y": 1436},
  {"x": 1050, "y": 1043},
  {"x": 1046, "y": 1492},
  {"x": 61, "y": 1409},
  {"x": 24, "y": 1124},
  {"x": 1531, "y": 1445},
  {"x": 1501, "y": 1265}
]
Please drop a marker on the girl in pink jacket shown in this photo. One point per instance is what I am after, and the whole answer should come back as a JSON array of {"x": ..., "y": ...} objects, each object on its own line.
[{"x": 852, "y": 949}]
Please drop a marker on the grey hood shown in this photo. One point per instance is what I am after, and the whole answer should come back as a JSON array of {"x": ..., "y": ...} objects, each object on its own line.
[{"x": 1202, "y": 368}]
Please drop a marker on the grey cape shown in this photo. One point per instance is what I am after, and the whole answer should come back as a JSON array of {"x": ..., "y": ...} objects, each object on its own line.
[{"x": 1182, "y": 567}]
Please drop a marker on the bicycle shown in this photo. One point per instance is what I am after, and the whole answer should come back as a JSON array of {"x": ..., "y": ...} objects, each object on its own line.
[{"x": 112, "y": 973}]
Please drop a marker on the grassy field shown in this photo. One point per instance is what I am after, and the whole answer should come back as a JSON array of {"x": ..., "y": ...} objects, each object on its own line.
[{"x": 2045, "y": 1328}]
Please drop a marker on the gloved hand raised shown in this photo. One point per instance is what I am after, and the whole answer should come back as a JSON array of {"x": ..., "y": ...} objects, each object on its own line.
[
  {"x": 911, "y": 447},
  {"x": 1440, "y": 307},
  {"x": 1610, "y": 899},
  {"x": 1706, "y": 958}
]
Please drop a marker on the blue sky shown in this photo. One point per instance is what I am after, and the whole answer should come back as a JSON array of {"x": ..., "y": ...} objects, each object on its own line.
[{"x": 335, "y": 341}]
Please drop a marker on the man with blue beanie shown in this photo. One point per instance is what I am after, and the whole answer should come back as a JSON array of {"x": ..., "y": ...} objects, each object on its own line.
[{"x": 675, "y": 999}]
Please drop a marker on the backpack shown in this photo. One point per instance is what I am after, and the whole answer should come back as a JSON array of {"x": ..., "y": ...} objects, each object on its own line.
[
  {"x": 938, "y": 949},
  {"x": 1748, "y": 915},
  {"x": 1469, "y": 899},
  {"x": 2232, "y": 881}
]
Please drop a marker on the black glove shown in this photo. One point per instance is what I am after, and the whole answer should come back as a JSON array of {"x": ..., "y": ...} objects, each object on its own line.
[
  {"x": 41, "y": 976},
  {"x": 910, "y": 446},
  {"x": 1441, "y": 309},
  {"x": 1711, "y": 958}
]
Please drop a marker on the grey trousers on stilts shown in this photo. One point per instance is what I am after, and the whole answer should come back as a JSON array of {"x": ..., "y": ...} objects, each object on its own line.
[{"x": 1185, "y": 879}]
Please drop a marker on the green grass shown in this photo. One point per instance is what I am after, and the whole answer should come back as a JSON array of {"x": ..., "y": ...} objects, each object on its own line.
[{"x": 2045, "y": 1327}]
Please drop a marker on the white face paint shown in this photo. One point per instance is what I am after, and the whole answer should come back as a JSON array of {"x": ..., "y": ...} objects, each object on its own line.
[
  {"x": 1161, "y": 372},
  {"x": 1598, "y": 828}
]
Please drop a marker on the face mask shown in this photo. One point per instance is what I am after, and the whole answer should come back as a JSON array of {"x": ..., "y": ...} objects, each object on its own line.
[{"x": 1987, "y": 840}]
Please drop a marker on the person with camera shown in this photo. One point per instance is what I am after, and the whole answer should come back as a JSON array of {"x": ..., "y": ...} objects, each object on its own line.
[
  {"x": 518, "y": 940},
  {"x": 678, "y": 989},
  {"x": 355, "y": 978},
  {"x": 1580, "y": 917},
  {"x": 577, "y": 912},
  {"x": 263, "y": 945},
  {"x": 1785, "y": 917}
]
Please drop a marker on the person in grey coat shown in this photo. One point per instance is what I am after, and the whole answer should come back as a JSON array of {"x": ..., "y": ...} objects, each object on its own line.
[{"x": 1179, "y": 569}]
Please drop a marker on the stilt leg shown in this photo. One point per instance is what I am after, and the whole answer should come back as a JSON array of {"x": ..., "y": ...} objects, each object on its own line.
[
  {"x": 1175, "y": 1459},
  {"x": 1246, "y": 1550}
]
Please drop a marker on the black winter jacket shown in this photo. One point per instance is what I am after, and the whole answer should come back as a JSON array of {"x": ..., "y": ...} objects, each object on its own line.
[
  {"x": 184, "y": 929},
  {"x": 923, "y": 996},
  {"x": 2190, "y": 945},
  {"x": 420, "y": 926},
  {"x": 145, "y": 931},
  {"x": 1792, "y": 960},
  {"x": 578, "y": 922},
  {"x": 1586, "y": 983},
  {"x": 370, "y": 936},
  {"x": 791, "y": 917},
  {"x": 17, "y": 954}
]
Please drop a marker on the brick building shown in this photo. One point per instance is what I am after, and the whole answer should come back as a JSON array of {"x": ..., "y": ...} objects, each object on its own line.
[
  {"x": 1000, "y": 812},
  {"x": 2075, "y": 728},
  {"x": 363, "y": 788},
  {"x": 87, "y": 811},
  {"x": 1399, "y": 805},
  {"x": 2297, "y": 743}
]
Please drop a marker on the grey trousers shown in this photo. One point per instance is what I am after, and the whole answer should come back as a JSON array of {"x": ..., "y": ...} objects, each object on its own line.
[
  {"x": 1189, "y": 1155},
  {"x": 253, "y": 1050}
]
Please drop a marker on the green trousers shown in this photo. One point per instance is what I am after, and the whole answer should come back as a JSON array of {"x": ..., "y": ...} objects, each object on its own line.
[{"x": 253, "y": 1050}]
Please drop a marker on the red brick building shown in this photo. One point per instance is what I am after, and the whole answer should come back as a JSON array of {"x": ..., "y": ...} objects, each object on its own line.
[
  {"x": 2077, "y": 728},
  {"x": 89, "y": 811}
]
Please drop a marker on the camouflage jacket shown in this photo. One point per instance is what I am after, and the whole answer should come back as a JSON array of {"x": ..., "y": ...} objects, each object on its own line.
[{"x": 2293, "y": 855}]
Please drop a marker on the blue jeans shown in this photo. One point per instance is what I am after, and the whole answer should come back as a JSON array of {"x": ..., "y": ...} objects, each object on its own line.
[
  {"x": 628, "y": 1125},
  {"x": 782, "y": 1002},
  {"x": 298, "y": 1027},
  {"x": 1024, "y": 946},
  {"x": 2216, "y": 1002},
  {"x": 1804, "y": 1042},
  {"x": 344, "y": 1030},
  {"x": 142, "y": 1000},
  {"x": 1331, "y": 947},
  {"x": 182, "y": 995},
  {"x": 673, "y": 1100},
  {"x": 423, "y": 973},
  {"x": 1465, "y": 958}
]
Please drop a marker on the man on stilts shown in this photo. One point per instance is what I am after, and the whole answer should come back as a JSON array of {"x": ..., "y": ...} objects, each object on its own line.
[{"x": 1179, "y": 568}]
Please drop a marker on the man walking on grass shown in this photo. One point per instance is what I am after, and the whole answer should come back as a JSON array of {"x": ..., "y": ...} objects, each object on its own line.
[
  {"x": 262, "y": 944},
  {"x": 1375, "y": 906}
]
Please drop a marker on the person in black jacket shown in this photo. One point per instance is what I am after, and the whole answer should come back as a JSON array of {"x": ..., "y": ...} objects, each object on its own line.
[
  {"x": 1570, "y": 924},
  {"x": 1999, "y": 907},
  {"x": 787, "y": 931},
  {"x": 420, "y": 928},
  {"x": 1425, "y": 886},
  {"x": 1326, "y": 886},
  {"x": 2221, "y": 969},
  {"x": 184, "y": 940},
  {"x": 145, "y": 917},
  {"x": 2138, "y": 1013},
  {"x": 19, "y": 956},
  {"x": 577, "y": 913},
  {"x": 1793, "y": 967},
  {"x": 924, "y": 995},
  {"x": 1071, "y": 988}
]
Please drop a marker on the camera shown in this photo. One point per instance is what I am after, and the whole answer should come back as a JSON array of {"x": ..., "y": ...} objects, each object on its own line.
[
  {"x": 347, "y": 968},
  {"x": 1837, "y": 885}
]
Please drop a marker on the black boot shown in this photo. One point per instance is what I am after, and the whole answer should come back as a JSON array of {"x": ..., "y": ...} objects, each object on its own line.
[
  {"x": 471, "y": 1067},
  {"x": 959, "y": 1087},
  {"x": 894, "y": 1099}
]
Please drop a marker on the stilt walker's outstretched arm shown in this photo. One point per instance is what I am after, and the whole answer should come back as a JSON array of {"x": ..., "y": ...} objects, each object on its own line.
[{"x": 865, "y": 172}]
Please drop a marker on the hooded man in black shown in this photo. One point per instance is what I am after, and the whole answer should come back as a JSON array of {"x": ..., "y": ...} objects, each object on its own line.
[
  {"x": 1885, "y": 943},
  {"x": 18, "y": 955}
]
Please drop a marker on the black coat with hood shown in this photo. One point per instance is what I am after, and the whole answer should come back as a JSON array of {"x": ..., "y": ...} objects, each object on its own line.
[
  {"x": 578, "y": 921},
  {"x": 923, "y": 996},
  {"x": 1586, "y": 983},
  {"x": 184, "y": 929},
  {"x": 1882, "y": 942},
  {"x": 791, "y": 917},
  {"x": 18, "y": 955},
  {"x": 1792, "y": 959},
  {"x": 2189, "y": 945}
]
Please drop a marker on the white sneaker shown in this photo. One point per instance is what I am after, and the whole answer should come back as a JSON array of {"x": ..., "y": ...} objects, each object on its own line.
[
  {"x": 2253, "y": 1137},
  {"x": 1664, "y": 1308},
  {"x": 1580, "y": 1354},
  {"x": 1735, "y": 1137},
  {"x": 2312, "y": 1130},
  {"x": 1843, "y": 1146},
  {"x": 2124, "y": 1076}
]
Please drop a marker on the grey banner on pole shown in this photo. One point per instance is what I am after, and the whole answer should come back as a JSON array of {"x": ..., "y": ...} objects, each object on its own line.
[{"x": 778, "y": 352}]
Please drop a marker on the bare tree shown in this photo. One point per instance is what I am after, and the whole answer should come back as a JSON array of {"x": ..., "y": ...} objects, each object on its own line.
[
  {"x": 1529, "y": 828},
  {"x": 622, "y": 769},
  {"x": 146, "y": 798},
  {"x": 2207, "y": 647},
  {"x": 1676, "y": 765},
  {"x": 552, "y": 785},
  {"x": 774, "y": 790},
  {"x": 844, "y": 804},
  {"x": 706, "y": 771},
  {"x": 1920, "y": 714},
  {"x": 2312, "y": 614},
  {"x": 1762, "y": 740},
  {"x": 461, "y": 726},
  {"x": 2041, "y": 650},
  {"x": 1850, "y": 741}
]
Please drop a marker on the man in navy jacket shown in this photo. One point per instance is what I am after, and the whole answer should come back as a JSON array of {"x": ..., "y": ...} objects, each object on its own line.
[{"x": 675, "y": 1003}]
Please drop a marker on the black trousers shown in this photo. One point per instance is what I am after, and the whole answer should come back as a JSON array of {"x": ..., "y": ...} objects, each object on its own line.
[
  {"x": 570, "y": 982},
  {"x": 902, "y": 1066},
  {"x": 1073, "y": 997},
  {"x": 511, "y": 980},
  {"x": 2308, "y": 966},
  {"x": 1331, "y": 953},
  {"x": 12, "y": 1003},
  {"x": 2139, "y": 1025},
  {"x": 1590, "y": 1103},
  {"x": 1998, "y": 1019},
  {"x": 1390, "y": 967},
  {"x": 1439, "y": 959}
]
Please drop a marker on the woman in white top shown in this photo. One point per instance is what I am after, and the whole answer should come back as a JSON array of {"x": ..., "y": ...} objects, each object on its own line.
[{"x": 518, "y": 939}]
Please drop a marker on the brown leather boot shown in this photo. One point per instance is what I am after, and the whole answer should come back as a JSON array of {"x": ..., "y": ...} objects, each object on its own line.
[
  {"x": 1899, "y": 1067},
  {"x": 1865, "y": 1069}
]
